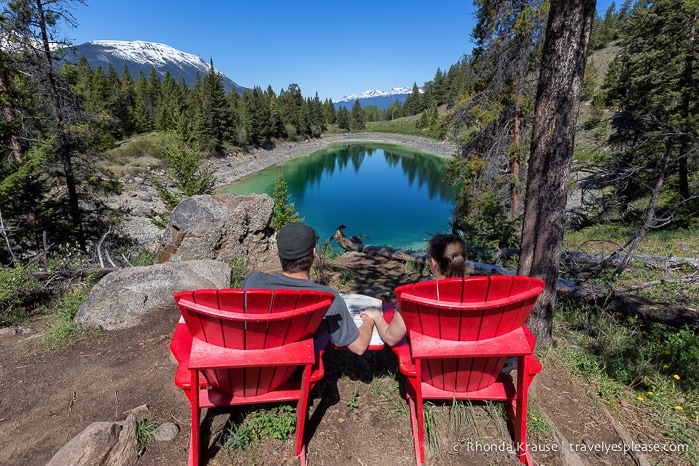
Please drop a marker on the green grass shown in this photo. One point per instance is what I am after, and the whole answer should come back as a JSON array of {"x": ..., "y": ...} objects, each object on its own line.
[
  {"x": 61, "y": 327},
  {"x": 239, "y": 270},
  {"x": 649, "y": 368},
  {"x": 145, "y": 431},
  {"x": 278, "y": 422},
  {"x": 609, "y": 237}
]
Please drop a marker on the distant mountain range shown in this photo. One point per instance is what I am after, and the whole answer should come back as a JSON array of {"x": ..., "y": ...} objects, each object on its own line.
[
  {"x": 382, "y": 99},
  {"x": 140, "y": 56}
]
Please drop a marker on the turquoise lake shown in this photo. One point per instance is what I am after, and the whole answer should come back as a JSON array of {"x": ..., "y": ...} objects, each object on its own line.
[{"x": 393, "y": 195}]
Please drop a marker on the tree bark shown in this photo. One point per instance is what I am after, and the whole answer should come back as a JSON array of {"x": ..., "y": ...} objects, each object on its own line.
[
  {"x": 553, "y": 136},
  {"x": 9, "y": 117}
]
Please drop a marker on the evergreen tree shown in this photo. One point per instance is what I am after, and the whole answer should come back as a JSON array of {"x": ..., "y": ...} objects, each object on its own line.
[
  {"x": 329, "y": 112},
  {"x": 275, "y": 119},
  {"x": 653, "y": 85},
  {"x": 185, "y": 173},
  {"x": 33, "y": 28},
  {"x": 357, "y": 117},
  {"x": 140, "y": 115},
  {"x": 558, "y": 100},
  {"x": 214, "y": 109},
  {"x": 343, "y": 118},
  {"x": 284, "y": 210},
  {"x": 494, "y": 114}
]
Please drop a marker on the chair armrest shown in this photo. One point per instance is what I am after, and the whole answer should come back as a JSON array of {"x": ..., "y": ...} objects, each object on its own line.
[
  {"x": 514, "y": 343},
  {"x": 207, "y": 356}
]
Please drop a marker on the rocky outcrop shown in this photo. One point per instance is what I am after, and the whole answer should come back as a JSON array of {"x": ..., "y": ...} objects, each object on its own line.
[
  {"x": 123, "y": 297},
  {"x": 221, "y": 227}
]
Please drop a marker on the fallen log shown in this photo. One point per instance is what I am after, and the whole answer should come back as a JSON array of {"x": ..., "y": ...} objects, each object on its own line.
[{"x": 607, "y": 298}]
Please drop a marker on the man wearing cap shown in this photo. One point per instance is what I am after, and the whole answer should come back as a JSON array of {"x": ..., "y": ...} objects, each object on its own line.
[{"x": 296, "y": 247}]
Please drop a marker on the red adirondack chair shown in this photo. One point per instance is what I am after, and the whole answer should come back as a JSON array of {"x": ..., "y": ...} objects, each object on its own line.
[
  {"x": 240, "y": 347},
  {"x": 460, "y": 333}
]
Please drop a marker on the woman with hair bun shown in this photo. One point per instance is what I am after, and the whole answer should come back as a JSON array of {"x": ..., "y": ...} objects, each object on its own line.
[{"x": 447, "y": 255}]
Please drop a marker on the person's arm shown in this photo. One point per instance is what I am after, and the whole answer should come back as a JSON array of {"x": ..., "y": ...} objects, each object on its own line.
[
  {"x": 390, "y": 333},
  {"x": 360, "y": 345}
]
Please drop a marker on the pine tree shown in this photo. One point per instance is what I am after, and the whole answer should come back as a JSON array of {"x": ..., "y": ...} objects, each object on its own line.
[
  {"x": 494, "y": 113},
  {"x": 34, "y": 26},
  {"x": 357, "y": 117},
  {"x": 186, "y": 175},
  {"x": 284, "y": 210}
]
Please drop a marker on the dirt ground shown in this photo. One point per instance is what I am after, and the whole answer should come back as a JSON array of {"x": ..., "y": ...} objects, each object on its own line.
[{"x": 46, "y": 398}]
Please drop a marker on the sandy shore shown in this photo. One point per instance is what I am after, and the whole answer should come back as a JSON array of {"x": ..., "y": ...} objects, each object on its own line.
[{"x": 236, "y": 166}]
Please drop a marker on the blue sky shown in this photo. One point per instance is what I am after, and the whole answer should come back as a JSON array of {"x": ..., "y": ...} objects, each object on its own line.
[{"x": 334, "y": 48}]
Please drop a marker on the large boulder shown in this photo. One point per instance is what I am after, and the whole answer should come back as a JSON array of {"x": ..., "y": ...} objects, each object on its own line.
[
  {"x": 121, "y": 298},
  {"x": 221, "y": 227}
]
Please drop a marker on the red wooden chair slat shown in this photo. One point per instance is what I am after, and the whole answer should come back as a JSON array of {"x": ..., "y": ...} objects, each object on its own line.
[
  {"x": 460, "y": 333},
  {"x": 238, "y": 347},
  {"x": 476, "y": 289}
]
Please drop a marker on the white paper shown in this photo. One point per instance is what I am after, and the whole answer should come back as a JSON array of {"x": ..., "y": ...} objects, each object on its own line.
[{"x": 358, "y": 302}]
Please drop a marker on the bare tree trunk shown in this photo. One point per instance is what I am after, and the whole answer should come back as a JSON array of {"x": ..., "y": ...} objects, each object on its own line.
[
  {"x": 63, "y": 141},
  {"x": 649, "y": 214},
  {"x": 553, "y": 136},
  {"x": 516, "y": 144}
]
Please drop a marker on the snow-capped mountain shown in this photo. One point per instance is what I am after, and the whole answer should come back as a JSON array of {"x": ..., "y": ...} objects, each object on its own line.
[
  {"x": 376, "y": 93},
  {"x": 382, "y": 99},
  {"x": 140, "y": 56}
]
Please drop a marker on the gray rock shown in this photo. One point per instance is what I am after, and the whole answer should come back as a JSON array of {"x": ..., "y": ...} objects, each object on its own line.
[
  {"x": 101, "y": 444},
  {"x": 146, "y": 198},
  {"x": 123, "y": 297},
  {"x": 166, "y": 432},
  {"x": 142, "y": 211},
  {"x": 221, "y": 227}
]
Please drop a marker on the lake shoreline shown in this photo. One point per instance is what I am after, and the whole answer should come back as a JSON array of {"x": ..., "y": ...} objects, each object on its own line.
[
  {"x": 234, "y": 166},
  {"x": 240, "y": 164}
]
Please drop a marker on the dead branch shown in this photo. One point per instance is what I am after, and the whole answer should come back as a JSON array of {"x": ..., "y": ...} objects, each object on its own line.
[
  {"x": 643, "y": 286},
  {"x": 70, "y": 274}
]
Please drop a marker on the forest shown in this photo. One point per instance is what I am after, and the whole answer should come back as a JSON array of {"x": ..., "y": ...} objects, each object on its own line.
[{"x": 634, "y": 159}]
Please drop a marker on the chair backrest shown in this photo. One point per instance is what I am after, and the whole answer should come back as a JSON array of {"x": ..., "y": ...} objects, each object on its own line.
[
  {"x": 470, "y": 309},
  {"x": 252, "y": 319}
]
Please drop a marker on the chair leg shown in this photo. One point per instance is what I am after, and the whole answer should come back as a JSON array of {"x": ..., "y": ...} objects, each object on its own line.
[
  {"x": 417, "y": 444},
  {"x": 521, "y": 404},
  {"x": 416, "y": 419},
  {"x": 194, "y": 405},
  {"x": 302, "y": 414}
]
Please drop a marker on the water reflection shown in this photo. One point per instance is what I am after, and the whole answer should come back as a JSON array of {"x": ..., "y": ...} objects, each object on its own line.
[{"x": 394, "y": 195}]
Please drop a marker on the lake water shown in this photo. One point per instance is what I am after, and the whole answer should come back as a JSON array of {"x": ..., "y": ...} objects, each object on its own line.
[{"x": 393, "y": 195}]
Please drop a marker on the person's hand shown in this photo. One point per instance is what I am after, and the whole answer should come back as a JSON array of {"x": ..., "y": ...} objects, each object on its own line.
[{"x": 373, "y": 313}]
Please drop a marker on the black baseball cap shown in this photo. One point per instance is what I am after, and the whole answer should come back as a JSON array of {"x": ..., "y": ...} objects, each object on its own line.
[{"x": 296, "y": 240}]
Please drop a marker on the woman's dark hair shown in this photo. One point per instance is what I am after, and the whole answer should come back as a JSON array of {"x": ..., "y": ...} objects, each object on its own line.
[{"x": 450, "y": 253}]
